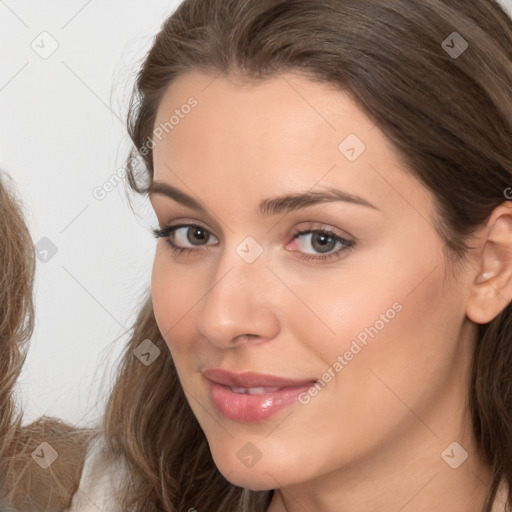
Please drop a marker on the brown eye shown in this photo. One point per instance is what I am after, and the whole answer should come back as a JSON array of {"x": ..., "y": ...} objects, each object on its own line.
[
  {"x": 196, "y": 235},
  {"x": 323, "y": 244},
  {"x": 179, "y": 237}
]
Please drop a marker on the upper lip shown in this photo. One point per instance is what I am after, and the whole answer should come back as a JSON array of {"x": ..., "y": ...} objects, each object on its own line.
[{"x": 248, "y": 379}]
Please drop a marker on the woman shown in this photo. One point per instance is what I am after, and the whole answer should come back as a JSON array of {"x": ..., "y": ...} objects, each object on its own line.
[{"x": 348, "y": 346}]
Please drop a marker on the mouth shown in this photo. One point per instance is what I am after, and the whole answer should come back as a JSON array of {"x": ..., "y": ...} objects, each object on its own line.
[{"x": 250, "y": 397}]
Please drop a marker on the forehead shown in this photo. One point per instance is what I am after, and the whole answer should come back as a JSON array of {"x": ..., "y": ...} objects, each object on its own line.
[
  {"x": 269, "y": 134},
  {"x": 253, "y": 112}
]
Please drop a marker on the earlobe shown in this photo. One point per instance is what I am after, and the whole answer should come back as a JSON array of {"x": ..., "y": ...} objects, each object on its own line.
[{"x": 491, "y": 290}]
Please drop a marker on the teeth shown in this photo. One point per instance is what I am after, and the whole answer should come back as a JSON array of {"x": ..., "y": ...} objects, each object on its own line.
[{"x": 254, "y": 391}]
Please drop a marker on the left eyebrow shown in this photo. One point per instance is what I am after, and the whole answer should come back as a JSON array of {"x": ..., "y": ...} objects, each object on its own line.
[
  {"x": 270, "y": 206},
  {"x": 298, "y": 201}
]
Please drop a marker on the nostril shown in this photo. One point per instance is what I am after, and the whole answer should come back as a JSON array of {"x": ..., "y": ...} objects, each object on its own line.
[{"x": 243, "y": 338}]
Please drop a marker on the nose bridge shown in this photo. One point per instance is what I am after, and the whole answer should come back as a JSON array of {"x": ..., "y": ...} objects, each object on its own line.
[{"x": 239, "y": 299}]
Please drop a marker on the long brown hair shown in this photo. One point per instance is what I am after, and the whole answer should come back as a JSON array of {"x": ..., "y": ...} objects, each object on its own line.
[
  {"x": 24, "y": 485},
  {"x": 17, "y": 266},
  {"x": 450, "y": 118}
]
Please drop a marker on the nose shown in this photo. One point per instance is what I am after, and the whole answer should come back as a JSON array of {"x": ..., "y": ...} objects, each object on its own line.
[{"x": 239, "y": 306}]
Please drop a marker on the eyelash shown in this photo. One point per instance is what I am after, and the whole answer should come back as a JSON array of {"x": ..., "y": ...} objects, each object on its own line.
[{"x": 168, "y": 231}]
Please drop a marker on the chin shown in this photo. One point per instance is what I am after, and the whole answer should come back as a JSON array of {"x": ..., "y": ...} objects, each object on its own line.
[
  {"x": 254, "y": 478},
  {"x": 251, "y": 481}
]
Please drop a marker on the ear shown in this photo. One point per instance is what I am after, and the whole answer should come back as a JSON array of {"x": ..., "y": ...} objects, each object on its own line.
[{"x": 491, "y": 290}]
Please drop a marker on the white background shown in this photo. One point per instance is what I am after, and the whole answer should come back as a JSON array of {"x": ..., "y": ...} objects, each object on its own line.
[{"x": 63, "y": 136}]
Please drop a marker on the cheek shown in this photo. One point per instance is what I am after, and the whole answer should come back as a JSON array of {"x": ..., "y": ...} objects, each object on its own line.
[
  {"x": 386, "y": 292},
  {"x": 175, "y": 290},
  {"x": 390, "y": 311},
  {"x": 407, "y": 356}
]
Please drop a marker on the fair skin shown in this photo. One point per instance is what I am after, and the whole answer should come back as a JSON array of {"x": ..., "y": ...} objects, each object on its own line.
[{"x": 372, "y": 438}]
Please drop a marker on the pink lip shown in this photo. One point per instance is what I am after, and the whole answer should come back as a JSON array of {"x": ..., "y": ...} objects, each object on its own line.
[{"x": 249, "y": 408}]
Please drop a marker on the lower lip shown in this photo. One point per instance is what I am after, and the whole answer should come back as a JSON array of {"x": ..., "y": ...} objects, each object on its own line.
[{"x": 246, "y": 408}]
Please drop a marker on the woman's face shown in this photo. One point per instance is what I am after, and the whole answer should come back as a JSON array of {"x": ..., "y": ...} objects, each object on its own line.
[{"x": 362, "y": 302}]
